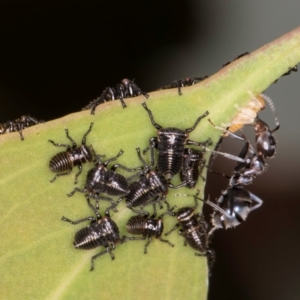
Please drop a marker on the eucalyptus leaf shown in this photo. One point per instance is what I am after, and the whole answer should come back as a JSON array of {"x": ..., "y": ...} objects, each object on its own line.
[{"x": 37, "y": 258}]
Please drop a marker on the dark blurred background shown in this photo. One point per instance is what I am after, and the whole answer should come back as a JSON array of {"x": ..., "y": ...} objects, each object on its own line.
[{"x": 56, "y": 56}]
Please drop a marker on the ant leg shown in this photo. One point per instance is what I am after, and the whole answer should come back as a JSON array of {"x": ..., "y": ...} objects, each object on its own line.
[
  {"x": 203, "y": 145},
  {"x": 227, "y": 155},
  {"x": 257, "y": 200},
  {"x": 213, "y": 205},
  {"x": 225, "y": 131}
]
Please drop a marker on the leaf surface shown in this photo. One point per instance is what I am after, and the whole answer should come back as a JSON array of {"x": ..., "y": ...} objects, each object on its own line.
[{"x": 37, "y": 259}]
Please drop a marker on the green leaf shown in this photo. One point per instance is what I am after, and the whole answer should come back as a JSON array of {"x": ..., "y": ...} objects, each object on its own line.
[{"x": 37, "y": 259}]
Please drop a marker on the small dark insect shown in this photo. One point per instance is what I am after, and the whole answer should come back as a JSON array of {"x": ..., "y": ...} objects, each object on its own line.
[
  {"x": 151, "y": 188},
  {"x": 238, "y": 57},
  {"x": 63, "y": 162},
  {"x": 19, "y": 125},
  {"x": 149, "y": 226},
  {"x": 193, "y": 164},
  {"x": 101, "y": 232},
  {"x": 101, "y": 180},
  {"x": 188, "y": 81},
  {"x": 170, "y": 144},
  {"x": 126, "y": 89},
  {"x": 194, "y": 229},
  {"x": 290, "y": 70}
]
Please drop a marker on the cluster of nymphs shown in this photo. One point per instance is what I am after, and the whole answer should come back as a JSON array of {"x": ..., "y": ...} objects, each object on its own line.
[
  {"x": 148, "y": 185},
  {"x": 170, "y": 153}
]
